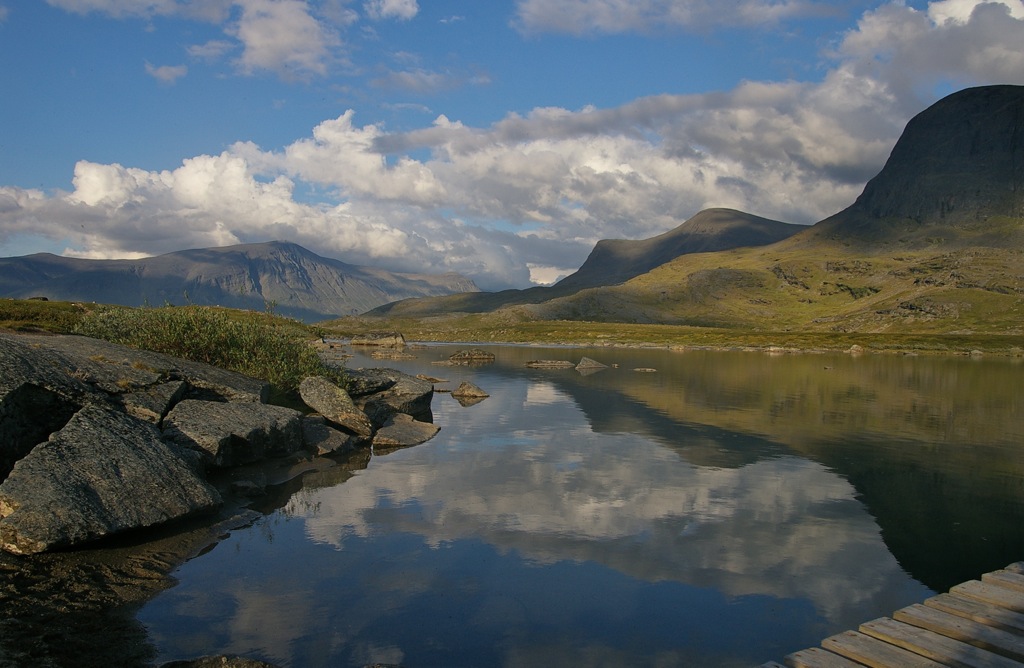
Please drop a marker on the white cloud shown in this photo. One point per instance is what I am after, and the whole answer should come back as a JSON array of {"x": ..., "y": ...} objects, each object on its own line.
[
  {"x": 959, "y": 11},
  {"x": 213, "y": 11},
  {"x": 283, "y": 37},
  {"x": 536, "y": 191},
  {"x": 391, "y": 9},
  {"x": 618, "y": 16},
  {"x": 211, "y": 50},
  {"x": 167, "y": 74}
]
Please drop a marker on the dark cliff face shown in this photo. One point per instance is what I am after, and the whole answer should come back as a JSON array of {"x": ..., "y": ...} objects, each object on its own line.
[{"x": 957, "y": 168}]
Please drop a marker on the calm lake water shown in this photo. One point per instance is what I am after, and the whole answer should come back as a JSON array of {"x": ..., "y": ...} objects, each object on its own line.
[{"x": 723, "y": 510}]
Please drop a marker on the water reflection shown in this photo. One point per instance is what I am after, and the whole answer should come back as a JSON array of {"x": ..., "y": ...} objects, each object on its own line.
[{"x": 724, "y": 510}]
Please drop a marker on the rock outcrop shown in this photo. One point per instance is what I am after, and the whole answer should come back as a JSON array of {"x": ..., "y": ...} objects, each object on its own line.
[
  {"x": 103, "y": 473},
  {"x": 98, "y": 439}
]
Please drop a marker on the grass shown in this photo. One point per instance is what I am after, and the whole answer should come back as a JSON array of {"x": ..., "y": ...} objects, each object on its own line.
[
  {"x": 500, "y": 328},
  {"x": 33, "y": 315},
  {"x": 261, "y": 345}
]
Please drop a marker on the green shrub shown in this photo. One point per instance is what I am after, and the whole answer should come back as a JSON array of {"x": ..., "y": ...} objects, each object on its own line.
[{"x": 260, "y": 345}]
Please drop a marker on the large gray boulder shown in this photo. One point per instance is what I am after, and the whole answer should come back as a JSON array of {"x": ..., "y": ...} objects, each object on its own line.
[
  {"x": 334, "y": 403},
  {"x": 404, "y": 394},
  {"x": 323, "y": 438},
  {"x": 103, "y": 473},
  {"x": 230, "y": 434},
  {"x": 37, "y": 397}
]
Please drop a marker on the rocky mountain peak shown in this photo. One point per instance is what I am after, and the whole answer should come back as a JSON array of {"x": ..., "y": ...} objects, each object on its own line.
[{"x": 958, "y": 165}]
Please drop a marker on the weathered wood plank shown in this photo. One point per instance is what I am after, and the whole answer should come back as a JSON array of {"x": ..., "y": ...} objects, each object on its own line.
[
  {"x": 874, "y": 653},
  {"x": 1016, "y": 567},
  {"x": 1005, "y": 578},
  {"x": 988, "y": 593},
  {"x": 979, "y": 611},
  {"x": 934, "y": 646},
  {"x": 963, "y": 629},
  {"x": 816, "y": 657}
]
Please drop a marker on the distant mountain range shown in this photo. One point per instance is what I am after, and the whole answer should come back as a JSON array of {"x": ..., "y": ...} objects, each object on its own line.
[
  {"x": 297, "y": 282},
  {"x": 935, "y": 243}
]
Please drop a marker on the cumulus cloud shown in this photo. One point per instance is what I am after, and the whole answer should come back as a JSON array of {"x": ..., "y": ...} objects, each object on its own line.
[
  {"x": 530, "y": 194},
  {"x": 618, "y": 16},
  {"x": 207, "y": 10},
  {"x": 167, "y": 74},
  {"x": 282, "y": 36},
  {"x": 211, "y": 50},
  {"x": 392, "y": 9}
]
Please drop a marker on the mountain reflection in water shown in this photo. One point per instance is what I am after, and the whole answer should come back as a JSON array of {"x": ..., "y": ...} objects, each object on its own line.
[{"x": 725, "y": 510}]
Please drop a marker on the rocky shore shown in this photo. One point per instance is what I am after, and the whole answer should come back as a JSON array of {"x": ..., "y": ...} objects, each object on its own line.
[
  {"x": 98, "y": 439},
  {"x": 117, "y": 465}
]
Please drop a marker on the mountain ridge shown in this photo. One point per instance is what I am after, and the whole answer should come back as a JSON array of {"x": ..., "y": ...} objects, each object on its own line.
[
  {"x": 933, "y": 244},
  {"x": 296, "y": 281}
]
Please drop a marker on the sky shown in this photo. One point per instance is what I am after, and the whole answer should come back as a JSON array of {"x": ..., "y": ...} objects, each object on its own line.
[{"x": 500, "y": 139}]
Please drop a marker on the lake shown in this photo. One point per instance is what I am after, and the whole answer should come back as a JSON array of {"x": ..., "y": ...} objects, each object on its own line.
[{"x": 675, "y": 509}]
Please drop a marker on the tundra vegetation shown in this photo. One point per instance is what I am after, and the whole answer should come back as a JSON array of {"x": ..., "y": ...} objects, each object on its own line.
[{"x": 262, "y": 345}]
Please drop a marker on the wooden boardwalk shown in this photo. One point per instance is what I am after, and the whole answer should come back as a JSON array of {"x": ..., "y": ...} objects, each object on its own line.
[{"x": 978, "y": 624}]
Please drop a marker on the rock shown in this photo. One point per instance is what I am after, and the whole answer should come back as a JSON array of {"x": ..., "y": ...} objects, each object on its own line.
[
  {"x": 335, "y": 405},
  {"x": 153, "y": 403},
  {"x": 119, "y": 368},
  {"x": 407, "y": 394},
  {"x": 469, "y": 390},
  {"x": 361, "y": 382},
  {"x": 402, "y": 431},
  {"x": 229, "y": 434},
  {"x": 587, "y": 363},
  {"x": 382, "y": 339},
  {"x": 550, "y": 364},
  {"x": 37, "y": 397},
  {"x": 324, "y": 439},
  {"x": 472, "y": 356},
  {"x": 103, "y": 473}
]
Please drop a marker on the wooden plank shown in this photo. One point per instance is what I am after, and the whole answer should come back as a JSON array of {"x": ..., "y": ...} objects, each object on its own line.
[
  {"x": 988, "y": 593},
  {"x": 874, "y": 653},
  {"x": 1016, "y": 567},
  {"x": 963, "y": 629},
  {"x": 1004, "y": 578},
  {"x": 986, "y": 613},
  {"x": 934, "y": 646},
  {"x": 816, "y": 657}
]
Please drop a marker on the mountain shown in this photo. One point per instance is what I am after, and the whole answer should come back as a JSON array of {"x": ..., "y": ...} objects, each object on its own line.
[
  {"x": 955, "y": 177},
  {"x": 615, "y": 261},
  {"x": 934, "y": 244},
  {"x": 298, "y": 282}
]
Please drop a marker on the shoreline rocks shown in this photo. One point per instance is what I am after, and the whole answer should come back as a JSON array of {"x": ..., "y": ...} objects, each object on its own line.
[{"x": 98, "y": 439}]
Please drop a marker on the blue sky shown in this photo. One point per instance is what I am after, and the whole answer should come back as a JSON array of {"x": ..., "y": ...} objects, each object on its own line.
[{"x": 499, "y": 138}]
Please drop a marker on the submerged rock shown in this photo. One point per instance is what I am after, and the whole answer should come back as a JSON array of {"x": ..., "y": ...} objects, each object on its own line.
[
  {"x": 401, "y": 431},
  {"x": 472, "y": 356},
  {"x": 587, "y": 364},
  {"x": 381, "y": 339},
  {"x": 103, "y": 473}
]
